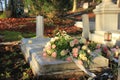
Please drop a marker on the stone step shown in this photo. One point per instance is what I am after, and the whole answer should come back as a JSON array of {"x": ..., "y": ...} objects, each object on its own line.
[{"x": 98, "y": 36}]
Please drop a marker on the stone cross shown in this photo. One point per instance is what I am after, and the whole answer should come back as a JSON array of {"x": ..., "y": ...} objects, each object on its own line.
[
  {"x": 86, "y": 30},
  {"x": 39, "y": 26}
]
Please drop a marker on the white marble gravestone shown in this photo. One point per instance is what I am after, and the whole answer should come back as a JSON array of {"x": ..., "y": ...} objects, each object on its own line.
[
  {"x": 32, "y": 50},
  {"x": 39, "y": 26},
  {"x": 86, "y": 29},
  {"x": 106, "y": 21}
]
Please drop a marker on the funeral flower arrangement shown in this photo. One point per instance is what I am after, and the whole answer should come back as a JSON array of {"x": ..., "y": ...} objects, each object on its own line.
[{"x": 62, "y": 46}]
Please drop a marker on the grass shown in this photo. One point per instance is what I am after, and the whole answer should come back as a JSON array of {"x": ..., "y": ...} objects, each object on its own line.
[{"x": 15, "y": 36}]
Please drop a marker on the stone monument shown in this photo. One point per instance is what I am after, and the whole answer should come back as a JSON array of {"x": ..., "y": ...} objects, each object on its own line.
[
  {"x": 39, "y": 26},
  {"x": 106, "y": 21}
]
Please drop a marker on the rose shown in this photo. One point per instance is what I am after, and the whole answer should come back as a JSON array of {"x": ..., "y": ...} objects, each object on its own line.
[
  {"x": 105, "y": 49},
  {"x": 71, "y": 43},
  {"x": 84, "y": 47},
  {"x": 98, "y": 46},
  {"x": 113, "y": 50},
  {"x": 75, "y": 41},
  {"x": 82, "y": 40},
  {"x": 56, "y": 38},
  {"x": 44, "y": 54},
  {"x": 48, "y": 44},
  {"x": 54, "y": 54},
  {"x": 49, "y": 52},
  {"x": 53, "y": 46},
  {"x": 48, "y": 47},
  {"x": 75, "y": 50},
  {"x": 63, "y": 52},
  {"x": 75, "y": 55},
  {"x": 68, "y": 59},
  {"x": 83, "y": 57}
]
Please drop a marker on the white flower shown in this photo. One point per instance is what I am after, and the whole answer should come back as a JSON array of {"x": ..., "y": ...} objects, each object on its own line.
[
  {"x": 71, "y": 43},
  {"x": 30, "y": 41},
  {"x": 88, "y": 51},
  {"x": 56, "y": 38},
  {"x": 63, "y": 52},
  {"x": 83, "y": 40},
  {"x": 84, "y": 47},
  {"x": 52, "y": 40},
  {"x": 48, "y": 44},
  {"x": 83, "y": 57}
]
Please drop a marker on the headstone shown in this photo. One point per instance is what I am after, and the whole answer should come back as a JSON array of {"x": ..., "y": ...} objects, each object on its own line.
[
  {"x": 104, "y": 12},
  {"x": 86, "y": 30},
  {"x": 39, "y": 26},
  {"x": 85, "y": 5},
  {"x": 49, "y": 66}
]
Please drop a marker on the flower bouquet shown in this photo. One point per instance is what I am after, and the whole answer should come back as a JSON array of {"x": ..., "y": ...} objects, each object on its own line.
[
  {"x": 65, "y": 47},
  {"x": 78, "y": 50}
]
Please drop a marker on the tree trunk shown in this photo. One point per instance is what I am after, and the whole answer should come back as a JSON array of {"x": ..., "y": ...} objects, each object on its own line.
[
  {"x": 1, "y": 5},
  {"x": 5, "y": 4},
  {"x": 118, "y": 3},
  {"x": 74, "y": 5}
]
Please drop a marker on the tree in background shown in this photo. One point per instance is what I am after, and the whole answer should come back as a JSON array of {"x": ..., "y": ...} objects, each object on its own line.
[
  {"x": 74, "y": 5},
  {"x": 118, "y": 3}
]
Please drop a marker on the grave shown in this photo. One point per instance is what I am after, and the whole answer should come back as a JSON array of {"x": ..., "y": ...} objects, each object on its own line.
[
  {"x": 32, "y": 49},
  {"x": 106, "y": 22}
]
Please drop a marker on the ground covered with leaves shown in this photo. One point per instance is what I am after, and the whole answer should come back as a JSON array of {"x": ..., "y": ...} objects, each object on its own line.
[{"x": 13, "y": 65}]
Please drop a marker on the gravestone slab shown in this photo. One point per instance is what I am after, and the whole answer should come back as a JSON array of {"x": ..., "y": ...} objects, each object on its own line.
[{"x": 49, "y": 66}]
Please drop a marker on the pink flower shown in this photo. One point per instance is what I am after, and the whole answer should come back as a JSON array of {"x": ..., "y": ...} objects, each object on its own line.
[
  {"x": 53, "y": 46},
  {"x": 105, "y": 49},
  {"x": 117, "y": 47},
  {"x": 98, "y": 50},
  {"x": 54, "y": 54},
  {"x": 44, "y": 54},
  {"x": 69, "y": 59},
  {"x": 75, "y": 50},
  {"x": 76, "y": 41},
  {"x": 113, "y": 50},
  {"x": 78, "y": 47},
  {"x": 98, "y": 46},
  {"x": 75, "y": 54}
]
